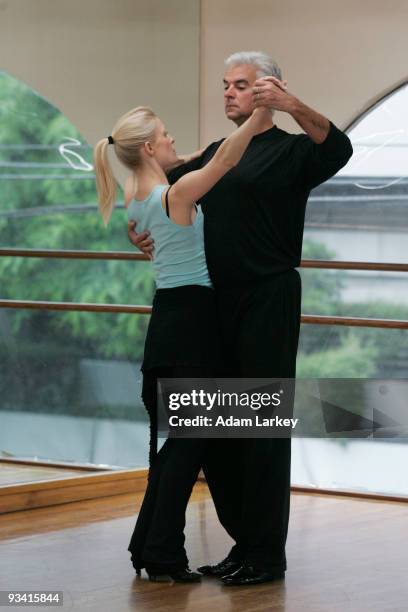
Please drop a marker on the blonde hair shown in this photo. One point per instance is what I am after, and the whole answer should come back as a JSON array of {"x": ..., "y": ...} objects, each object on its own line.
[{"x": 129, "y": 134}]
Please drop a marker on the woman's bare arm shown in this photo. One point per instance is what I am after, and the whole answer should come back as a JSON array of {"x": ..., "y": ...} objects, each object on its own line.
[{"x": 192, "y": 186}]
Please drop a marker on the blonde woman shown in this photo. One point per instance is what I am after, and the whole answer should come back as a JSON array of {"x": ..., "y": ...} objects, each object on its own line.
[{"x": 182, "y": 339}]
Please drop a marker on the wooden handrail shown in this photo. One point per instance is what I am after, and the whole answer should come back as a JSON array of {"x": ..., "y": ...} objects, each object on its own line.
[
  {"x": 142, "y": 309},
  {"x": 72, "y": 254},
  {"x": 124, "y": 255},
  {"x": 128, "y": 308},
  {"x": 371, "y": 266},
  {"x": 355, "y": 321},
  {"x": 77, "y": 306}
]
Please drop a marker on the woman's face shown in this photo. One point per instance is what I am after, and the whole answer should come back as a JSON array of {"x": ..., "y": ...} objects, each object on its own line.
[{"x": 163, "y": 146}]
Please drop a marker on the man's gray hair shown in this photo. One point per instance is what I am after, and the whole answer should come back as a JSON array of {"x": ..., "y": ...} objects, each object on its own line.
[{"x": 265, "y": 65}]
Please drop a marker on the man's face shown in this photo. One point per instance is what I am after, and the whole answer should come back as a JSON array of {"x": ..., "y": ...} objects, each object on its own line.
[{"x": 238, "y": 83}]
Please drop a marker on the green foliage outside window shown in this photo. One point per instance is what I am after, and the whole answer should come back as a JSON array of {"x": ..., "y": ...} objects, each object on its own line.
[{"x": 41, "y": 210}]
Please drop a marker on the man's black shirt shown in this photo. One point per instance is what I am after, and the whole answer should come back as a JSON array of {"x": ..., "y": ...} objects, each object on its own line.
[{"x": 254, "y": 216}]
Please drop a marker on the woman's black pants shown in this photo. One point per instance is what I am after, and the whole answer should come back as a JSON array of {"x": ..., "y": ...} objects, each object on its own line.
[{"x": 157, "y": 542}]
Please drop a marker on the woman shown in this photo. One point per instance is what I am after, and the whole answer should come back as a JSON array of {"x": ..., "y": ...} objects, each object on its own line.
[{"x": 182, "y": 339}]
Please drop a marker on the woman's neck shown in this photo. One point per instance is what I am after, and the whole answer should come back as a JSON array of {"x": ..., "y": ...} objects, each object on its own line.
[{"x": 147, "y": 177}]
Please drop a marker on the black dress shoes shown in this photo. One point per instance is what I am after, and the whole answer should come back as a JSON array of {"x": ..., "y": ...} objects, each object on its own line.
[
  {"x": 226, "y": 566},
  {"x": 247, "y": 575}
]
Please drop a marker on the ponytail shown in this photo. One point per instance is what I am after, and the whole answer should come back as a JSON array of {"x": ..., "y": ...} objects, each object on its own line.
[
  {"x": 129, "y": 134},
  {"x": 105, "y": 181}
]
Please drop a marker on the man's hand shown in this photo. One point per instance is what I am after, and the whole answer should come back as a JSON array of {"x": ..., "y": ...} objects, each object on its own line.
[
  {"x": 191, "y": 156},
  {"x": 141, "y": 241},
  {"x": 184, "y": 159},
  {"x": 271, "y": 92}
]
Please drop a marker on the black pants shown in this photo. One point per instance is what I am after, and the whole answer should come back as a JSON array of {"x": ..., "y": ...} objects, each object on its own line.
[
  {"x": 158, "y": 539},
  {"x": 249, "y": 479}
]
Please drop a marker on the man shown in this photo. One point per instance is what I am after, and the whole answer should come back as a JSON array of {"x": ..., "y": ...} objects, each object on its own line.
[{"x": 253, "y": 230}]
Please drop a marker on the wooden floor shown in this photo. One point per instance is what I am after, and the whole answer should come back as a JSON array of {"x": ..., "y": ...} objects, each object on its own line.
[
  {"x": 12, "y": 473},
  {"x": 344, "y": 555}
]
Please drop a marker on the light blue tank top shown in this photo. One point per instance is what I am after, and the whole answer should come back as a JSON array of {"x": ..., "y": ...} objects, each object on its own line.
[{"x": 178, "y": 257}]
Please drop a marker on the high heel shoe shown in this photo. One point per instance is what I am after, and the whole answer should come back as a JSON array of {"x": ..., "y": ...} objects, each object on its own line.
[
  {"x": 179, "y": 575},
  {"x": 183, "y": 575},
  {"x": 136, "y": 566}
]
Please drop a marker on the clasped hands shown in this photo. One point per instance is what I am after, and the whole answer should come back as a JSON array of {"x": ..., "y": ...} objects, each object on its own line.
[{"x": 271, "y": 92}]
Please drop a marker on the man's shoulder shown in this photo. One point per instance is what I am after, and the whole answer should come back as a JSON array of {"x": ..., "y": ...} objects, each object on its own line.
[
  {"x": 289, "y": 136},
  {"x": 213, "y": 146},
  {"x": 293, "y": 141},
  {"x": 275, "y": 137}
]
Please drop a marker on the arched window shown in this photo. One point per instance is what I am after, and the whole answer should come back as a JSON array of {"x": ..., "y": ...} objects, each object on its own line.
[
  {"x": 361, "y": 214},
  {"x": 71, "y": 378},
  {"x": 48, "y": 201}
]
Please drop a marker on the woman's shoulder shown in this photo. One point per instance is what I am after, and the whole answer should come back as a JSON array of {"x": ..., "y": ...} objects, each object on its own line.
[{"x": 131, "y": 195}]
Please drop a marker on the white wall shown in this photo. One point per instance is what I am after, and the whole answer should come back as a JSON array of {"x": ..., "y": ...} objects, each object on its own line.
[
  {"x": 96, "y": 59},
  {"x": 337, "y": 56}
]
